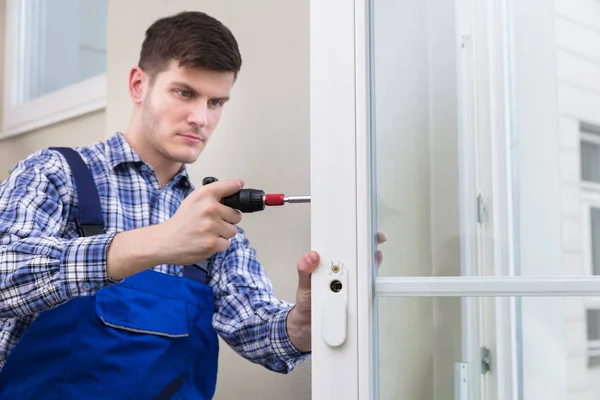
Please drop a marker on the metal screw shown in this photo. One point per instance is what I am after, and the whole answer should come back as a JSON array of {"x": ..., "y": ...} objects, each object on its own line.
[{"x": 335, "y": 269}]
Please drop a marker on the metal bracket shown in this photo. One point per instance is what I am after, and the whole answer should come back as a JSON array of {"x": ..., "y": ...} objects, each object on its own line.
[
  {"x": 461, "y": 381},
  {"x": 486, "y": 360},
  {"x": 480, "y": 209}
]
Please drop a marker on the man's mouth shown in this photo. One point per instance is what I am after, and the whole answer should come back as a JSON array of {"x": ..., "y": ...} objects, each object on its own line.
[{"x": 192, "y": 138}]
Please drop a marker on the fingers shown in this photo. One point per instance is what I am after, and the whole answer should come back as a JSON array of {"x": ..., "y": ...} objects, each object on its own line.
[
  {"x": 221, "y": 245},
  {"x": 306, "y": 266},
  {"x": 229, "y": 219},
  {"x": 381, "y": 238},
  {"x": 225, "y": 230},
  {"x": 230, "y": 215},
  {"x": 225, "y": 188}
]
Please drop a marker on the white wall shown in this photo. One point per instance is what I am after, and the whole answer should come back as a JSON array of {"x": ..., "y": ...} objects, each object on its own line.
[{"x": 263, "y": 138}]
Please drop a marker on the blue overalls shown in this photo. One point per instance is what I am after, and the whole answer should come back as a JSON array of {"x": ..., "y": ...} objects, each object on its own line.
[{"x": 149, "y": 337}]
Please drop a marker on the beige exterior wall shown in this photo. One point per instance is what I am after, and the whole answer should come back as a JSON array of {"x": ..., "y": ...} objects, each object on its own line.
[{"x": 263, "y": 138}]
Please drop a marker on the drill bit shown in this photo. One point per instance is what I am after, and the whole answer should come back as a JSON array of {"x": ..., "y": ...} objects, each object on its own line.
[{"x": 296, "y": 199}]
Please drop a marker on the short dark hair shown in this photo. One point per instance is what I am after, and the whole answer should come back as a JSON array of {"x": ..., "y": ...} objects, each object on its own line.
[{"x": 192, "y": 38}]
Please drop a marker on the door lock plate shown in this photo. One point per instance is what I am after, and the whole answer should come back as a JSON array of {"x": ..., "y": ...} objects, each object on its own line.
[{"x": 335, "y": 309}]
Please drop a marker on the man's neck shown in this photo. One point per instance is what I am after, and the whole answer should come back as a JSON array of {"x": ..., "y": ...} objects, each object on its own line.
[{"x": 165, "y": 173}]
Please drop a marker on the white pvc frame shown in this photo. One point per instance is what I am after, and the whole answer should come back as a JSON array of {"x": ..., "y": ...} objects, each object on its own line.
[
  {"x": 490, "y": 286},
  {"x": 333, "y": 176}
]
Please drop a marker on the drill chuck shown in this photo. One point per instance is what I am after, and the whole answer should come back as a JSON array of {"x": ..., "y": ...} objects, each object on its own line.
[{"x": 246, "y": 200}]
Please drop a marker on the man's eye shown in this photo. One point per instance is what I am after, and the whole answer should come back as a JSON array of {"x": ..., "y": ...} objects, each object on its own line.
[
  {"x": 215, "y": 103},
  {"x": 185, "y": 93}
]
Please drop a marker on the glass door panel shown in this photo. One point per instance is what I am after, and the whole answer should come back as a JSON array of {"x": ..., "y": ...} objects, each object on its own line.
[
  {"x": 475, "y": 173},
  {"x": 421, "y": 364},
  {"x": 415, "y": 136},
  {"x": 464, "y": 131},
  {"x": 416, "y": 193}
]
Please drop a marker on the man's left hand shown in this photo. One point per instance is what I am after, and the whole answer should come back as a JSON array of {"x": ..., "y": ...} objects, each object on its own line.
[{"x": 299, "y": 318}]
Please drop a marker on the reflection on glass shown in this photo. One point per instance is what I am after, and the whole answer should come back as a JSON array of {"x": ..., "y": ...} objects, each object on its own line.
[
  {"x": 539, "y": 186},
  {"x": 415, "y": 137},
  {"x": 590, "y": 154},
  {"x": 420, "y": 340},
  {"x": 417, "y": 147},
  {"x": 595, "y": 238}
]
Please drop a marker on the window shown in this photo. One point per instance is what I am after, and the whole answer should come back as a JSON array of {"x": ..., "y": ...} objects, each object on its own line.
[
  {"x": 593, "y": 311},
  {"x": 55, "y": 61},
  {"x": 590, "y": 182},
  {"x": 590, "y": 154},
  {"x": 593, "y": 322}
]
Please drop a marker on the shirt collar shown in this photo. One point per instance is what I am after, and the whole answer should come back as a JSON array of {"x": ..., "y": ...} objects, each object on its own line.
[
  {"x": 118, "y": 151},
  {"x": 182, "y": 179}
]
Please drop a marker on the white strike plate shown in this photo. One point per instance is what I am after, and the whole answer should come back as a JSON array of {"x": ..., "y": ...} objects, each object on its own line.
[{"x": 335, "y": 309}]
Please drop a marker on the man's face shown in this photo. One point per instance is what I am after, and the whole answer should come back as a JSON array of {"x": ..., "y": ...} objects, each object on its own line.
[{"x": 181, "y": 109}]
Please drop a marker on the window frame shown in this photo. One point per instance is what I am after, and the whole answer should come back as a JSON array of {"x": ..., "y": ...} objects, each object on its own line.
[{"x": 69, "y": 102}]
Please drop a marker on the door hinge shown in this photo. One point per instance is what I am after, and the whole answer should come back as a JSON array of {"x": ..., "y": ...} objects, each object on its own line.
[
  {"x": 486, "y": 360},
  {"x": 480, "y": 209},
  {"x": 461, "y": 381}
]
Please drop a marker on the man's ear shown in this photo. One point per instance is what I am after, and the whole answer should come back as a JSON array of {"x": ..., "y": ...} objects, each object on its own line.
[{"x": 137, "y": 84}]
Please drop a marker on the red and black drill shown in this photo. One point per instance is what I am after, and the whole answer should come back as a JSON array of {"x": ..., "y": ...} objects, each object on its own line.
[{"x": 252, "y": 200}]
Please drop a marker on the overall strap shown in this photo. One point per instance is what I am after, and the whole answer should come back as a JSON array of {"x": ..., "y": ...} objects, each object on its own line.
[
  {"x": 89, "y": 219},
  {"x": 171, "y": 389}
]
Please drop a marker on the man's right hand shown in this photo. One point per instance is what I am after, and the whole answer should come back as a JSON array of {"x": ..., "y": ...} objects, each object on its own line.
[{"x": 201, "y": 227}]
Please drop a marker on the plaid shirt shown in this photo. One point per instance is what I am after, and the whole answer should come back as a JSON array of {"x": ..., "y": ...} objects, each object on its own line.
[{"x": 43, "y": 262}]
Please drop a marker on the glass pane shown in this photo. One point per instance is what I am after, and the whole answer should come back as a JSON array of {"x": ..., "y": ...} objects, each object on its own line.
[
  {"x": 590, "y": 162},
  {"x": 419, "y": 342},
  {"x": 500, "y": 200},
  {"x": 593, "y": 324},
  {"x": 61, "y": 42},
  {"x": 595, "y": 235},
  {"x": 547, "y": 353},
  {"x": 415, "y": 137}
]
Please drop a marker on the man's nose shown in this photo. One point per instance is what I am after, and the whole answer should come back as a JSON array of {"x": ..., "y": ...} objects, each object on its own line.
[{"x": 199, "y": 116}]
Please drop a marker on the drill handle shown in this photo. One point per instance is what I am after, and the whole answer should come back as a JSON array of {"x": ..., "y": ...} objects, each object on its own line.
[{"x": 246, "y": 200}]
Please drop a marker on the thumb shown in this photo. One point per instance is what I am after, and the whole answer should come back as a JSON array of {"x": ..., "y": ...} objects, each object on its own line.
[{"x": 306, "y": 266}]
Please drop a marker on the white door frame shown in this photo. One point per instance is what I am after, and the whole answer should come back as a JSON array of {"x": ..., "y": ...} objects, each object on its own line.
[{"x": 333, "y": 120}]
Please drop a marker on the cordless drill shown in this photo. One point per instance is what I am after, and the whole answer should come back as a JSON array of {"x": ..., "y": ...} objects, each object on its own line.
[{"x": 252, "y": 200}]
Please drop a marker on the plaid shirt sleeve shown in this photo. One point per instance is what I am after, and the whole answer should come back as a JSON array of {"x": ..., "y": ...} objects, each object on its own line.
[
  {"x": 38, "y": 269},
  {"x": 248, "y": 317}
]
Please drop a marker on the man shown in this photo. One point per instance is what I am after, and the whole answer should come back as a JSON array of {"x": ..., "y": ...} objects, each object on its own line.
[{"x": 116, "y": 274}]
